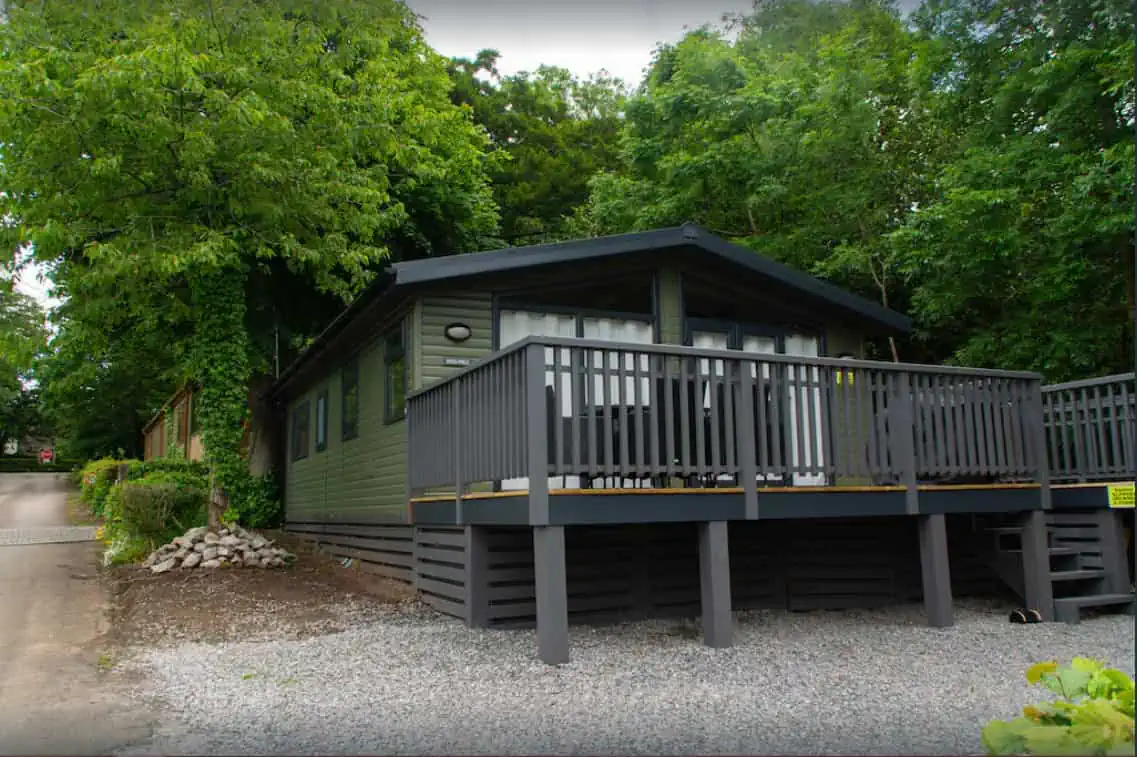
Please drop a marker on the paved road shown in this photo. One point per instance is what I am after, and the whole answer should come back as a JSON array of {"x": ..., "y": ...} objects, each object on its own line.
[{"x": 52, "y": 613}]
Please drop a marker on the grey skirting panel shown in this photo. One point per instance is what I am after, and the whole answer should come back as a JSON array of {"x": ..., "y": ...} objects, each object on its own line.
[
  {"x": 621, "y": 572},
  {"x": 386, "y": 550}
]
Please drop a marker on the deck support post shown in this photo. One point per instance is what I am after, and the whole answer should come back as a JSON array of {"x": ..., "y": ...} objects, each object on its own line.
[
  {"x": 935, "y": 570},
  {"x": 552, "y": 594},
  {"x": 477, "y": 577},
  {"x": 1037, "y": 586},
  {"x": 1113, "y": 551},
  {"x": 714, "y": 575}
]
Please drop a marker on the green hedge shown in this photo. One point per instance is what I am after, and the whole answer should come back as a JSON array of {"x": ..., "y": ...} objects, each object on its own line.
[
  {"x": 33, "y": 465},
  {"x": 145, "y": 513}
]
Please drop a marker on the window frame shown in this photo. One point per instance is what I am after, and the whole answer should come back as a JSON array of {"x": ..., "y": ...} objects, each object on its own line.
[
  {"x": 397, "y": 335},
  {"x": 322, "y": 427},
  {"x": 301, "y": 421},
  {"x": 349, "y": 379}
]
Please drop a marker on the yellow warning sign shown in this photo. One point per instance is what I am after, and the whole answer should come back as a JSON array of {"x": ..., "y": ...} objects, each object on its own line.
[{"x": 1121, "y": 495}]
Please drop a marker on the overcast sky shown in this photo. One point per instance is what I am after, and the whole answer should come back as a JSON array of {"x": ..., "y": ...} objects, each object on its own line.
[{"x": 584, "y": 36}]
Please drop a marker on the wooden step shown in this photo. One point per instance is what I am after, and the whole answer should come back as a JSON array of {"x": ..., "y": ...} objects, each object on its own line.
[
  {"x": 1069, "y": 609},
  {"x": 1075, "y": 575}
]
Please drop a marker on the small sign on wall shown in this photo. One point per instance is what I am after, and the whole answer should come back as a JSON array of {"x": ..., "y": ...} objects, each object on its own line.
[
  {"x": 456, "y": 362},
  {"x": 1121, "y": 495}
]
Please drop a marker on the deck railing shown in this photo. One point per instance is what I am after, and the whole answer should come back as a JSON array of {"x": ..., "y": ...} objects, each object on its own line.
[
  {"x": 592, "y": 413},
  {"x": 1090, "y": 428}
]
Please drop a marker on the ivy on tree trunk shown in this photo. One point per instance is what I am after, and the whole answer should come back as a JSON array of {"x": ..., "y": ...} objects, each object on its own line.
[{"x": 219, "y": 362}]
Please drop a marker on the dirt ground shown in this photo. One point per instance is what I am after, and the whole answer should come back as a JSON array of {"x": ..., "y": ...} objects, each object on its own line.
[{"x": 316, "y": 595}]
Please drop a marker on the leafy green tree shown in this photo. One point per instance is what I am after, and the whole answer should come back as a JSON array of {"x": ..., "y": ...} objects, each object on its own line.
[
  {"x": 23, "y": 339},
  {"x": 798, "y": 139},
  {"x": 180, "y": 163},
  {"x": 1024, "y": 254},
  {"x": 550, "y": 132}
]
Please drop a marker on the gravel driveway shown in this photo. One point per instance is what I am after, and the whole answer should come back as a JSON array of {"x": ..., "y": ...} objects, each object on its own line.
[{"x": 408, "y": 682}]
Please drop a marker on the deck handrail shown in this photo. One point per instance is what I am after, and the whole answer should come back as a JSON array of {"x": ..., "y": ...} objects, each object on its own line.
[
  {"x": 719, "y": 354},
  {"x": 1091, "y": 428},
  {"x": 587, "y": 409}
]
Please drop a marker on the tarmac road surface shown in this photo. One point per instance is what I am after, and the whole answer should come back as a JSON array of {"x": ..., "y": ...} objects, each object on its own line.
[{"x": 52, "y": 614}]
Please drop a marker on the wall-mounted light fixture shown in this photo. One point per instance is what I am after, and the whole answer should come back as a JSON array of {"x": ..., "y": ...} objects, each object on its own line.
[{"x": 457, "y": 332}]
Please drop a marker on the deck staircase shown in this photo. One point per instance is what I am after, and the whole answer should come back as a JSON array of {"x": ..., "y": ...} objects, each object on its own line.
[{"x": 1084, "y": 574}]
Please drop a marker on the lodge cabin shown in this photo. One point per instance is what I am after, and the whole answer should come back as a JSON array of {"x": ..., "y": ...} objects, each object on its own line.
[{"x": 666, "y": 423}]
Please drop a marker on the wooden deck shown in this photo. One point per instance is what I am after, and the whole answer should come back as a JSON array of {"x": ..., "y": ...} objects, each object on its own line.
[{"x": 675, "y": 505}]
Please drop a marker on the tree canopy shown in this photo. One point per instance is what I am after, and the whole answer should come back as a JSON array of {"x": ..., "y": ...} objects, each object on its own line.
[
  {"x": 207, "y": 181},
  {"x": 176, "y": 160}
]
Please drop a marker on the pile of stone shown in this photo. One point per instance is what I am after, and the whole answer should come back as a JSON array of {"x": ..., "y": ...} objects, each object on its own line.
[{"x": 231, "y": 547}]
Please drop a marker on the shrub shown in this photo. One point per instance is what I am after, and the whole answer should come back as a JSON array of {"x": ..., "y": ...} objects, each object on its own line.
[
  {"x": 97, "y": 478},
  {"x": 1092, "y": 715},
  {"x": 255, "y": 503},
  {"x": 145, "y": 513}
]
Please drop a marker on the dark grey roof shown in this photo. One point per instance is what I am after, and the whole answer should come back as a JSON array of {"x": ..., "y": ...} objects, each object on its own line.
[
  {"x": 453, "y": 267},
  {"x": 434, "y": 270}
]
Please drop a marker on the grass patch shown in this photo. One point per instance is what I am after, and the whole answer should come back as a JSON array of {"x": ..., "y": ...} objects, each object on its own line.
[
  {"x": 78, "y": 514},
  {"x": 105, "y": 663}
]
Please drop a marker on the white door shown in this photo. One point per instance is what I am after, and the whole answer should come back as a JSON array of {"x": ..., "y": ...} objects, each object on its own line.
[
  {"x": 630, "y": 332},
  {"x": 515, "y": 325},
  {"x": 761, "y": 345},
  {"x": 809, "y": 431}
]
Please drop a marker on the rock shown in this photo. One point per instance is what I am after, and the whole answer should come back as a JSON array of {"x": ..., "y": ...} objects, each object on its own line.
[
  {"x": 211, "y": 564},
  {"x": 265, "y": 553},
  {"x": 276, "y": 562},
  {"x": 199, "y": 547},
  {"x": 211, "y": 538},
  {"x": 224, "y": 532},
  {"x": 196, "y": 534},
  {"x": 259, "y": 542},
  {"x": 167, "y": 549},
  {"x": 192, "y": 560},
  {"x": 149, "y": 561},
  {"x": 230, "y": 541},
  {"x": 183, "y": 552},
  {"x": 164, "y": 566},
  {"x": 181, "y": 541},
  {"x": 224, "y": 552},
  {"x": 237, "y": 562},
  {"x": 210, "y": 553}
]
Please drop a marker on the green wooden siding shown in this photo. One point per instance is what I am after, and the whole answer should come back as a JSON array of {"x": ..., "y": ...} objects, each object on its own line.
[
  {"x": 433, "y": 314},
  {"x": 362, "y": 479}
]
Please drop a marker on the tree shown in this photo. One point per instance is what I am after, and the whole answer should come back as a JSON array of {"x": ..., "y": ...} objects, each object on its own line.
[
  {"x": 798, "y": 140},
  {"x": 550, "y": 132},
  {"x": 23, "y": 338},
  {"x": 186, "y": 165},
  {"x": 1023, "y": 255}
]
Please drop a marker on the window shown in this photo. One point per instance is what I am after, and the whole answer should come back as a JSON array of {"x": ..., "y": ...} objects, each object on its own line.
[
  {"x": 300, "y": 431},
  {"x": 395, "y": 375},
  {"x": 349, "y": 384},
  {"x": 322, "y": 421}
]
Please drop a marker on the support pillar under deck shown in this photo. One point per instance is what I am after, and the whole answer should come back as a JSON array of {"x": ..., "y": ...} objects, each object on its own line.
[
  {"x": 1037, "y": 586},
  {"x": 714, "y": 579},
  {"x": 552, "y": 594},
  {"x": 935, "y": 570}
]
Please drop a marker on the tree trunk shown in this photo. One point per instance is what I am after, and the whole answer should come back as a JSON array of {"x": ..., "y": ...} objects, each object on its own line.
[{"x": 218, "y": 504}]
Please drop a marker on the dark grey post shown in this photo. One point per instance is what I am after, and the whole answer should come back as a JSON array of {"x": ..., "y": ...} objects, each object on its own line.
[
  {"x": 747, "y": 434},
  {"x": 552, "y": 594},
  {"x": 1037, "y": 433},
  {"x": 536, "y": 436},
  {"x": 456, "y": 410},
  {"x": 1038, "y": 587},
  {"x": 477, "y": 577},
  {"x": 714, "y": 575},
  {"x": 935, "y": 570},
  {"x": 901, "y": 439},
  {"x": 1113, "y": 551}
]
